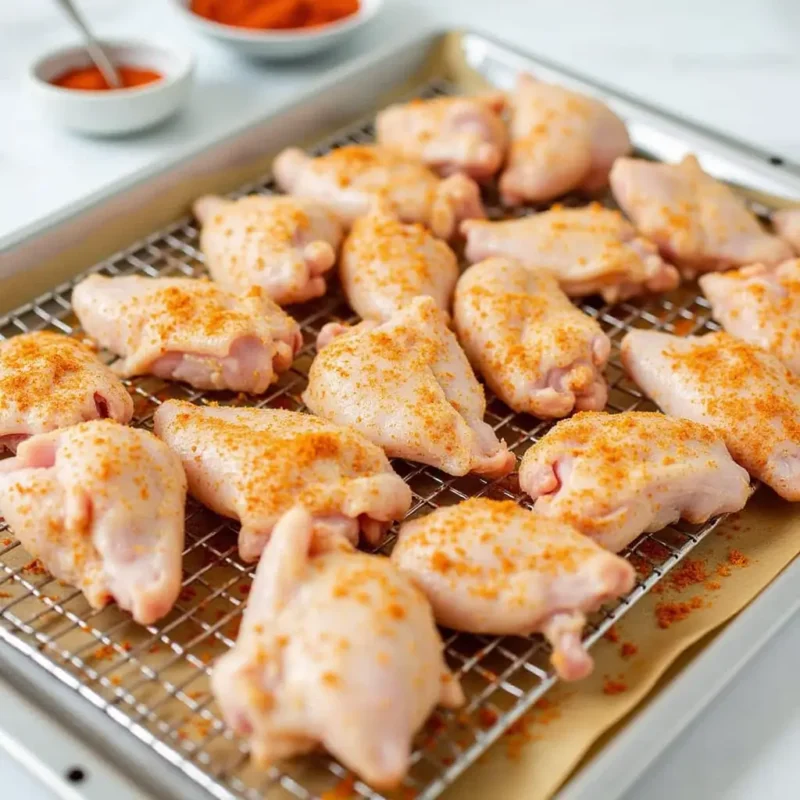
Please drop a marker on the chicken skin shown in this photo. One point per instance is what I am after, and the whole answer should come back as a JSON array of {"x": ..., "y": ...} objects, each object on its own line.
[
  {"x": 490, "y": 566},
  {"x": 613, "y": 476},
  {"x": 560, "y": 141},
  {"x": 285, "y": 245},
  {"x": 188, "y": 330},
  {"x": 407, "y": 386},
  {"x": 538, "y": 352},
  {"x": 102, "y": 506},
  {"x": 449, "y": 134},
  {"x": 761, "y": 306},
  {"x": 786, "y": 223},
  {"x": 253, "y": 464},
  {"x": 350, "y": 181},
  {"x": 387, "y": 263},
  {"x": 50, "y": 381},
  {"x": 743, "y": 392},
  {"x": 590, "y": 250},
  {"x": 336, "y": 648},
  {"x": 697, "y": 222}
]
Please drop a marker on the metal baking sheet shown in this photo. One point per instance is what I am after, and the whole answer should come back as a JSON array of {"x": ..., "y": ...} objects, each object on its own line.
[{"x": 153, "y": 682}]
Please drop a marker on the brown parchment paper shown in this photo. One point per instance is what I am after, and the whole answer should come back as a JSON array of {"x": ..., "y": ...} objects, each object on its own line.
[{"x": 739, "y": 559}]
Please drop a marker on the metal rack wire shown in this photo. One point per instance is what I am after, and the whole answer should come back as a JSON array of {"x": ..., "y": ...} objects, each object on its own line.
[{"x": 154, "y": 681}]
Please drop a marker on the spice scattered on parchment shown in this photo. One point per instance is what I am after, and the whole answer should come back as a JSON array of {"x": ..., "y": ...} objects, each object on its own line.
[
  {"x": 105, "y": 652},
  {"x": 487, "y": 717},
  {"x": 6, "y": 542},
  {"x": 612, "y": 686},
  {"x": 35, "y": 567},
  {"x": 5, "y": 594},
  {"x": 690, "y": 572},
  {"x": 544, "y": 712},
  {"x": 683, "y": 327},
  {"x": 738, "y": 559},
  {"x": 612, "y": 635},
  {"x": 628, "y": 650},
  {"x": 713, "y": 586},
  {"x": 654, "y": 550},
  {"x": 669, "y": 613}
]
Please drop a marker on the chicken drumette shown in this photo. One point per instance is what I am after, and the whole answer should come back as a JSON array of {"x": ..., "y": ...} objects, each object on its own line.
[
  {"x": 188, "y": 330},
  {"x": 102, "y": 506},
  {"x": 538, "y": 352},
  {"x": 613, "y": 476},
  {"x": 490, "y": 566},
  {"x": 285, "y": 245},
  {"x": 352, "y": 180},
  {"x": 787, "y": 225},
  {"x": 589, "y": 250},
  {"x": 49, "y": 381},
  {"x": 406, "y": 385},
  {"x": 254, "y": 464},
  {"x": 336, "y": 648},
  {"x": 743, "y": 392}
]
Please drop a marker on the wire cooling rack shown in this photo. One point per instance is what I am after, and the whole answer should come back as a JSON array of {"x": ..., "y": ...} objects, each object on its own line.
[{"x": 153, "y": 681}]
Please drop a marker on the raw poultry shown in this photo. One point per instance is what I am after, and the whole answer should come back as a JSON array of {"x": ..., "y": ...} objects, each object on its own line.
[
  {"x": 590, "y": 250},
  {"x": 490, "y": 566},
  {"x": 254, "y": 464},
  {"x": 50, "y": 381},
  {"x": 613, "y": 476},
  {"x": 188, "y": 330},
  {"x": 760, "y": 305},
  {"x": 698, "y": 223},
  {"x": 102, "y": 506},
  {"x": 448, "y": 134},
  {"x": 786, "y": 223},
  {"x": 536, "y": 350},
  {"x": 386, "y": 263},
  {"x": 337, "y": 648},
  {"x": 407, "y": 386},
  {"x": 560, "y": 141},
  {"x": 351, "y": 180},
  {"x": 745, "y": 393},
  {"x": 285, "y": 245}
]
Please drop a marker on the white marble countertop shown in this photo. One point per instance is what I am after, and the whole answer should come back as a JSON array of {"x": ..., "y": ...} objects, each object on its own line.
[{"x": 733, "y": 65}]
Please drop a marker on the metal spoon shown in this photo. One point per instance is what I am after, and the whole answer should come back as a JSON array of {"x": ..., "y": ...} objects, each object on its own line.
[{"x": 93, "y": 47}]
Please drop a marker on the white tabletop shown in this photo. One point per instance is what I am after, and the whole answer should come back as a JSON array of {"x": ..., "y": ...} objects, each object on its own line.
[{"x": 731, "y": 64}]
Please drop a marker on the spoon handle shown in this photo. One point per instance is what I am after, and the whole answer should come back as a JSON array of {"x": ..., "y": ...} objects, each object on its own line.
[{"x": 96, "y": 51}]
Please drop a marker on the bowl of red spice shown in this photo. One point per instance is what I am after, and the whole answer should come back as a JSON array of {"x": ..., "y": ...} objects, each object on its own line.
[
  {"x": 73, "y": 93},
  {"x": 278, "y": 29}
]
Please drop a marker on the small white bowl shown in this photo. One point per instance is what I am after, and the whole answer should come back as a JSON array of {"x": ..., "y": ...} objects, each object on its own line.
[
  {"x": 281, "y": 45},
  {"x": 115, "y": 111}
]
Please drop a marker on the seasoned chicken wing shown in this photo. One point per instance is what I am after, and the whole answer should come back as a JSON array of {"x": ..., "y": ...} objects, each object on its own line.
[
  {"x": 285, "y": 245},
  {"x": 787, "y": 225},
  {"x": 253, "y": 464},
  {"x": 560, "y": 141},
  {"x": 50, "y": 381},
  {"x": 490, "y": 566},
  {"x": 406, "y": 385},
  {"x": 102, "y": 506},
  {"x": 613, "y": 476},
  {"x": 188, "y": 330},
  {"x": 761, "y": 306},
  {"x": 449, "y": 134},
  {"x": 336, "y": 648},
  {"x": 745, "y": 393},
  {"x": 538, "y": 352},
  {"x": 697, "y": 222},
  {"x": 387, "y": 263},
  {"x": 590, "y": 250},
  {"x": 350, "y": 180}
]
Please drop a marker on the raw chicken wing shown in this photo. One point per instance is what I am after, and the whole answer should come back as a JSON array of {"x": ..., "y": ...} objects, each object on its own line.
[
  {"x": 449, "y": 134},
  {"x": 490, "y": 566},
  {"x": 761, "y": 306},
  {"x": 613, "y": 476},
  {"x": 253, "y": 464},
  {"x": 589, "y": 250},
  {"x": 102, "y": 506},
  {"x": 285, "y": 245},
  {"x": 350, "y": 180},
  {"x": 745, "y": 393},
  {"x": 50, "y": 381},
  {"x": 697, "y": 222},
  {"x": 188, "y": 330},
  {"x": 786, "y": 223},
  {"x": 387, "y": 263},
  {"x": 538, "y": 352},
  {"x": 406, "y": 385},
  {"x": 336, "y": 648},
  {"x": 560, "y": 141}
]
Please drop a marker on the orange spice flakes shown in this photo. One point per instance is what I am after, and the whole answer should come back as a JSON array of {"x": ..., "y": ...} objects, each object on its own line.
[
  {"x": 5, "y": 594},
  {"x": 6, "y": 542},
  {"x": 612, "y": 687},
  {"x": 104, "y": 653},
  {"x": 35, "y": 567},
  {"x": 487, "y": 717},
  {"x": 628, "y": 650},
  {"x": 342, "y": 790},
  {"x": 612, "y": 635},
  {"x": 724, "y": 571},
  {"x": 690, "y": 572},
  {"x": 737, "y": 558},
  {"x": 669, "y": 613},
  {"x": 683, "y": 327},
  {"x": 713, "y": 586}
]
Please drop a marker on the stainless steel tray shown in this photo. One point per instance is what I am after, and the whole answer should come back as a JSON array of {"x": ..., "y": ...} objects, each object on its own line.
[{"x": 113, "y": 676}]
